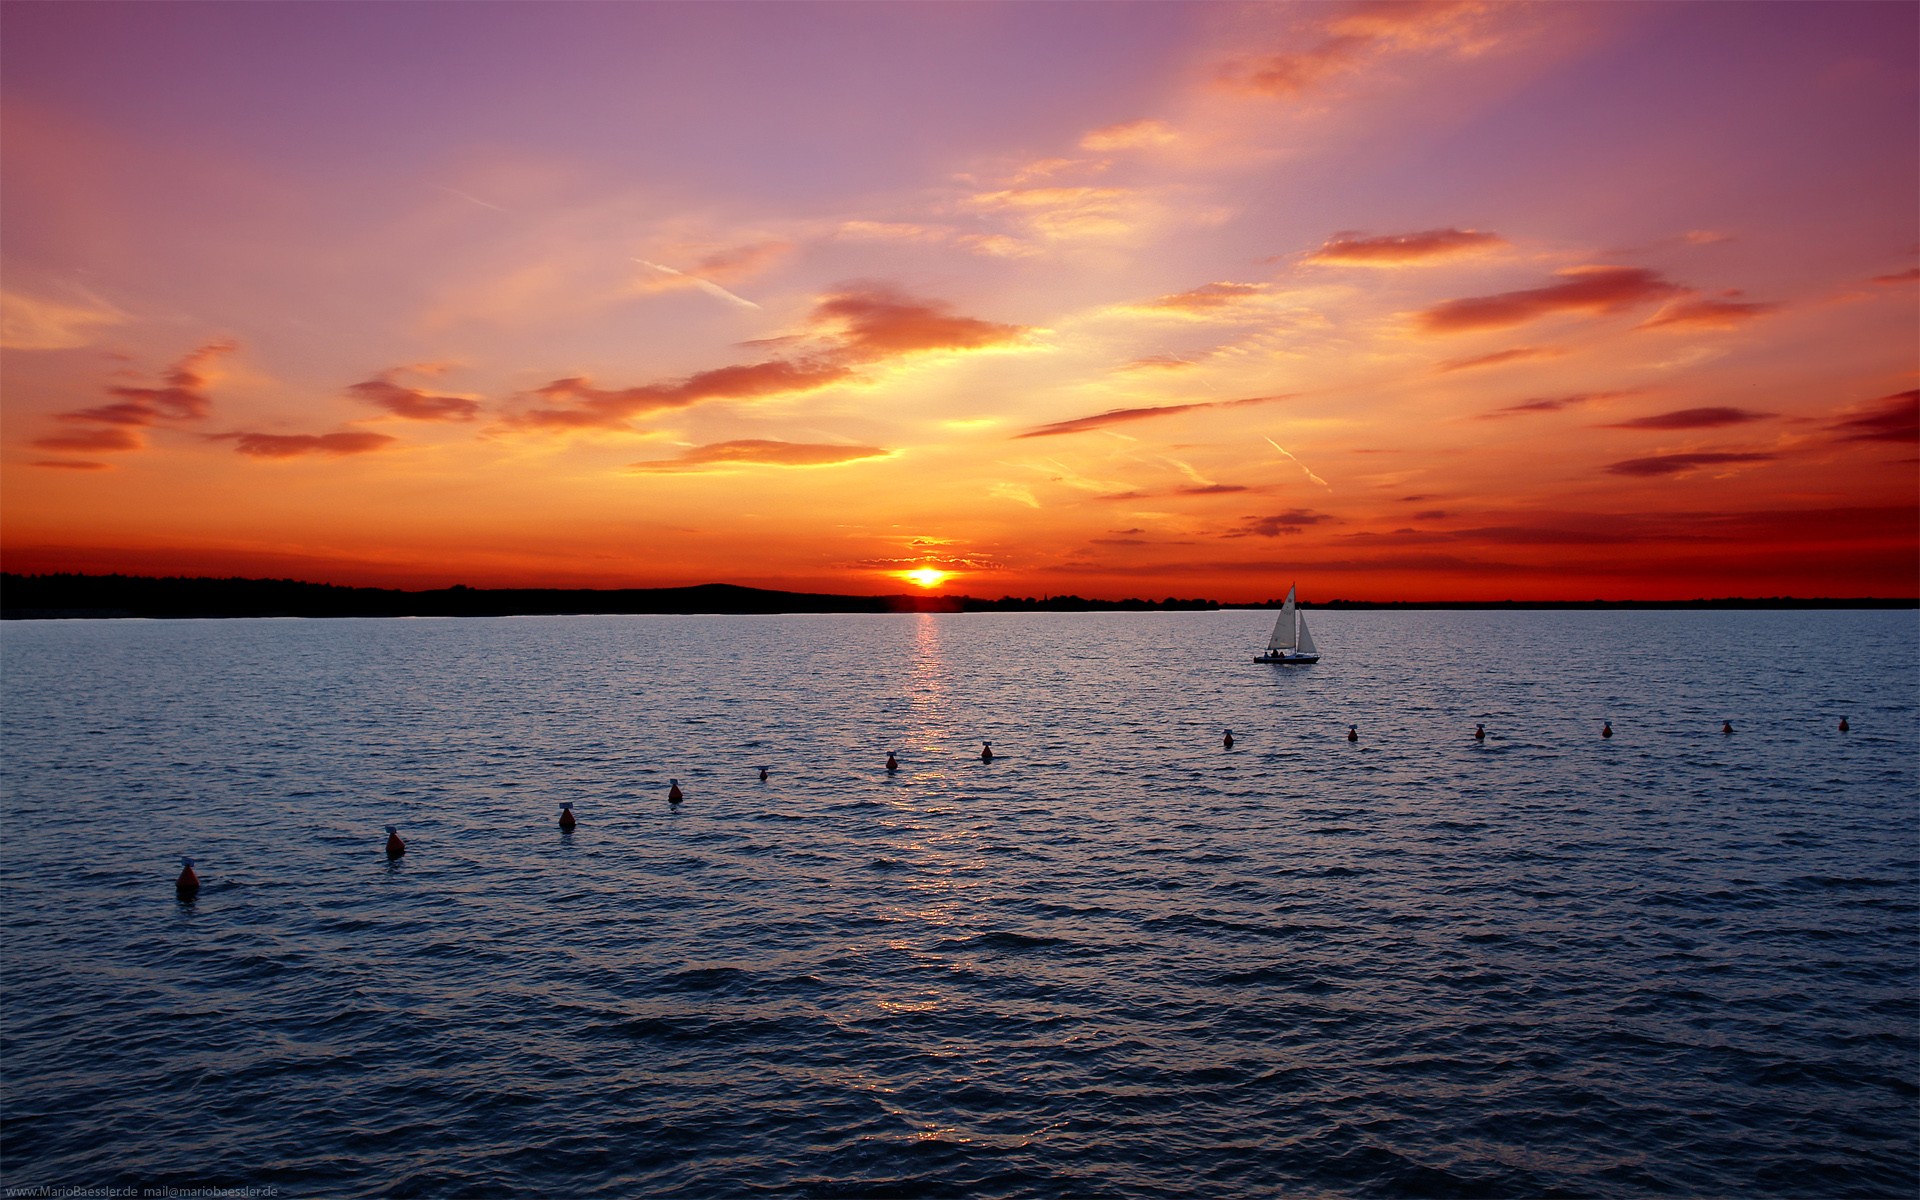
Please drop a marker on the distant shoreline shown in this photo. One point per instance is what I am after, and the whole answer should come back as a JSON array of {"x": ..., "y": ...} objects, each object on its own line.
[{"x": 97, "y": 597}]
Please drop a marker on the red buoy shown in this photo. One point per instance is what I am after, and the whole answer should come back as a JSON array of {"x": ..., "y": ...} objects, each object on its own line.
[
  {"x": 188, "y": 885},
  {"x": 1726, "y": 727},
  {"x": 763, "y": 774},
  {"x": 893, "y": 764},
  {"x": 1606, "y": 729},
  {"x": 1353, "y": 733},
  {"x": 395, "y": 847},
  {"x": 566, "y": 818},
  {"x": 1843, "y": 725},
  {"x": 986, "y": 751},
  {"x": 673, "y": 792},
  {"x": 1479, "y": 733},
  {"x": 1227, "y": 741}
]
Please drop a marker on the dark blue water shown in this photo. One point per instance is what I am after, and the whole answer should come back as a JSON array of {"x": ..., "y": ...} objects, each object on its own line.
[{"x": 1117, "y": 961}]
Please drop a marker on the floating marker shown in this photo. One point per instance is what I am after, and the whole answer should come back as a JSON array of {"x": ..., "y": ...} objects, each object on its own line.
[
  {"x": 395, "y": 847},
  {"x": 1606, "y": 729},
  {"x": 1227, "y": 741},
  {"x": 1843, "y": 725},
  {"x": 986, "y": 751},
  {"x": 566, "y": 818},
  {"x": 188, "y": 885},
  {"x": 1726, "y": 727},
  {"x": 1353, "y": 733},
  {"x": 1479, "y": 733},
  {"x": 673, "y": 792},
  {"x": 763, "y": 774},
  {"x": 893, "y": 764}
]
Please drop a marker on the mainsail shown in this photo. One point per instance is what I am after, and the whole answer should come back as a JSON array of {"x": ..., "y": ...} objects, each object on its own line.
[{"x": 1283, "y": 635}]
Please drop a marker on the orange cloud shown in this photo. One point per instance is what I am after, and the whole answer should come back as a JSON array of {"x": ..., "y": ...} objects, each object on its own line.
[
  {"x": 413, "y": 403},
  {"x": 859, "y": 324},
  {"x": 184, "y": 396},
  {"x": 294, "y": 445},
  {"x": 1894, "y": 418},
  {"x": 1693, "y": 418},
  {"x": 1910, "y": 275},
  {"x": 1586, "y": 289},
  {"x": 1129, "y": 135},
  {"x": 1208, "y": 298},
  {"x": 875, "y": 321},
  {"x": 1119, "y": 416},
  {"x": 739, "y": 262},
  {"x": 1677, "y": 464},
  {"x": 1352, "y": 36},
  {"x": 762, "y": 452},
  {"x": 1709, "y": 314},
  {"x": 1397, "y": 249},
  {"x": 1517, "y": 354},
  {"x": 589, "y": 407}
]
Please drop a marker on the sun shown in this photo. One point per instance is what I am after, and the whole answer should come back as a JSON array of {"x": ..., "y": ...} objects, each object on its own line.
[{"x": 926, "y": 577}]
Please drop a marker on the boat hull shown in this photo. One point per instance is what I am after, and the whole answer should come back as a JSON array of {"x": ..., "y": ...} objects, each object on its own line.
[{"x": 1288, "y": 660}]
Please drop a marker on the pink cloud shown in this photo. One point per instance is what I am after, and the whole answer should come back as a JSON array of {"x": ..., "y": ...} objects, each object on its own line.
[
  {"x": 184, "y": 396},
  {"x": 1396, "y": 249},
  {"x": 855, "y": 326},
  {"x": 1585, "y": 289},
  {"x": 1292, "y": 521},
  {"x": 1709, "y": 314},
  {"x": 1117, "y": 416}
]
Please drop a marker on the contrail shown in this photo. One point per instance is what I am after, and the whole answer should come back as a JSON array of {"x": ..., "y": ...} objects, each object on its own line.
[
  {"x": 1296, "y": 462},
  {"x": 712, "y": 289},
  {"x": 470, "y": 199}
]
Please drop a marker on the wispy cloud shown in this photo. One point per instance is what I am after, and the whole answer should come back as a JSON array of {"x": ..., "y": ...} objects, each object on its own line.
[
  {"x": 182, "y": 396},
  {"x": 853, "y": 327},
  {"x": 1583, "y": 289},
  {"x": 1894, "y": 418},
  {"x": 760, "y": 452},
  {"x": 1393, "y": 250},
  {"x": 1546, "y": 404},
  {"x": 1308, "y": 471},
  {"x": 36, "y": 323},
  {"x": 1724, "y": 313},
  {"x": 1693, "y": 418},
  {"x": 1129, "y": 135},
  {"x": 1344, "y": 39},
  {"x": 1680, "y": 464},
  {"x": 1500, "y": 358},
  {"x": 1118, "y": 416}
]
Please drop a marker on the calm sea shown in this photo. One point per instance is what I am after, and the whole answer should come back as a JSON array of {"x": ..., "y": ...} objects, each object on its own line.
[{"x": 1119, "y": 960}]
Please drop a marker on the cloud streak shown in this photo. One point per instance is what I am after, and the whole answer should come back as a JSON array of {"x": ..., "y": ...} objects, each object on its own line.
[
  {"x": 1394, "y": 250},
  {"x": 760, "y": 452},
  {"x": 1121, "y": 416},
  {"x": 1593, "y": 290},
  {"x": 1681, "y": 464},
  {"x": 1692, "y": 418}
]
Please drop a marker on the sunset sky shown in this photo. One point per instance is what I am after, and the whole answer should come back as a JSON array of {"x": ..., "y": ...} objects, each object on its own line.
[{"x": 1398, "y": 301}]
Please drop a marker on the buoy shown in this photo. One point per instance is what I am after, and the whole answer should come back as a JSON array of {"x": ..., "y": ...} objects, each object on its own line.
[
  {"x": 1843, "y": 725},
  {"x": 986, "y": 751},
  {"x": 893, "y": 764},
  {"x": 395, "y": 847},
  {"x": 188, "y": 885},
  {"x": 1353, "y": 733},
  {"x": 1726, "y": 727},
  {"x": 673, "y": 792},
  {"x": 1606, "y": 729},
  {"x": 1227, "y": 741},
  {"x": 763, "y": 774},
  {"x": 566, "y": 818},
  {"x": 1479, "y": 733}
]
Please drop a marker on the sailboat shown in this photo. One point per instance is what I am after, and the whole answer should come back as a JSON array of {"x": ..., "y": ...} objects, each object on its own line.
[{"x": 1291, "y": 643}]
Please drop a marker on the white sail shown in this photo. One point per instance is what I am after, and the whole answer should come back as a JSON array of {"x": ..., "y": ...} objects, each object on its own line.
[
  {"x": 1306, "y": 639},
  {"x": 1282, "y": 638}
]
